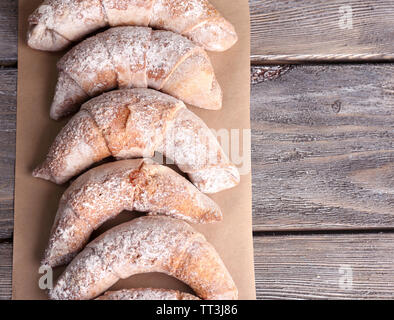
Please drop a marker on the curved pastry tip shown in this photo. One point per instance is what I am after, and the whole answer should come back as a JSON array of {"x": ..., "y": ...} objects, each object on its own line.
[
  {"x": 41, "y": 172},
  {"x": 216, "y": 179},
  {"x": 215, "y": 35},
  {"x": 68, "y": 97},
  {"x": 196, "y": 86},
  {"x": 41, "y": 38}
]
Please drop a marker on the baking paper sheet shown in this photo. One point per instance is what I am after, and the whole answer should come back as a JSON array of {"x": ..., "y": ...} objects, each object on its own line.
[{"x": 36, "y": 200}]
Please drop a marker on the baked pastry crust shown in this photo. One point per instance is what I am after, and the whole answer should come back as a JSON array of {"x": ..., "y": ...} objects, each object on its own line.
[
  {"x": 144, "y": 245},
  {"x": 136, "y": 123},
  {"x": 146, "y": 294},
  {"x": 57, "y": 23},
  {"x": 105, "y": 191},
  {"x": 135, "y": 57}
]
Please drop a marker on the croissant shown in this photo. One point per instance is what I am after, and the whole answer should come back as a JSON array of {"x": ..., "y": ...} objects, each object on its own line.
[
  {"x": 135, "y": 123},
  {"x": 138, "y": 57},
  {"x": 146, "y": 294},
  {"x": 57, "y": 23},
  {"x": 104, "y": 192},
  {"x": 144, "y": 245}
]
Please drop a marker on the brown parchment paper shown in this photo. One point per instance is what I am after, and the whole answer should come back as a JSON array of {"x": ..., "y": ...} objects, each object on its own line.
[{"x": 36, "y": 200}]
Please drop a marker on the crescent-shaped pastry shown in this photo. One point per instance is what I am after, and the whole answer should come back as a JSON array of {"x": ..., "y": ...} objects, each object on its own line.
[
  {"x": 144, "y": 245},
  {"x": 57, "y": 23},
  {"x": 146, "y": 294},
  {"x": 135, "y": 123},
  {"x": 135, "y": 57},
  {"x": 103, "y": 192}
]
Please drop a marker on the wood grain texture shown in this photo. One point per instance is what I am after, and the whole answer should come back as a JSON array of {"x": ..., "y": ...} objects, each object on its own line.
[
  {"x": 8, "y": 32},
  {"x": 323, "y": 148},
  {"x": 316, "y": 30},
  {"x": 314, "y": 266},
  {"x": 303, "y": 267},
  {"x": 7, "y": 150},
  {"x": 315, "y": 166},
  {"x": 5, "y": 270},
  {"x": 285, "y": 31}
]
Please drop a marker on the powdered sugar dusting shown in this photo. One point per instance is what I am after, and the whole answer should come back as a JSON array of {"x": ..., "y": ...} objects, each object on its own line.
[
  {"x": 128, "y": 57},
  {"x": 166, "y": 51},
  {"x": 147, "y": 244},
  {"x": 136, "y": 123},
  {"x": 181, "y": 15},
  {"x": 128, "y": 49},
  {"x": 70, "y": 18},
  {"x": 213, "y": 34},
  {"x": 196, "y": 151},
  {"x": 89, "y": 65},
  {"x": 147, "y": 294},
  {"x": 77, "y": 146},
  {"x": 103, "y": 192},
  {"x": 160, "y": 190},
  {"x": 74, "y": 19}
]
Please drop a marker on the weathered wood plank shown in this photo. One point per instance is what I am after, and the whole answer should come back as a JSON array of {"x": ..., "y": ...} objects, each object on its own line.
[
  {"x": 7, "y": 150},
  {"x": 303, "y": 267},
  {"x": 337, "y": 266},
  {"x": 323, "y": 148},
  {"x": 293, "y": 31},
  {"x": 8, "y": 32},
  {"x": 285, "y": 30},
  {"x": 5, "y": 270},
  {"x": 313, "y": 168}
]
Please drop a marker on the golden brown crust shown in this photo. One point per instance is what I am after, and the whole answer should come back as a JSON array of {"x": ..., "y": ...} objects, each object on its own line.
[
  {"x": 57, "y": 23},
  {"x": 135, "y": 123},
  {"x": 126, "y": 57},
  {"x": 201, "y": 77},
  {"x": 105, "y": 191},
  {"x": 79, "y": 144},
  {"x": 147, "y": 244}
]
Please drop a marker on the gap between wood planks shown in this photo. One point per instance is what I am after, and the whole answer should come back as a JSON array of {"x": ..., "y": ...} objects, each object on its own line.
[
  {"x": 343, "y": 232},
  {"x": 11, "y": 66}
]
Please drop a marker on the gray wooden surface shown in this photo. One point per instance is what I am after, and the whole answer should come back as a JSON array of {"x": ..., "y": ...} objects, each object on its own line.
[
  {"x": 287, "y": 30},
  {"x": 352, "y": 266},
  {"x": 323, "y": 149},
  {"x": 316, "y": 30},
  {"x": 8, "y": 32}
]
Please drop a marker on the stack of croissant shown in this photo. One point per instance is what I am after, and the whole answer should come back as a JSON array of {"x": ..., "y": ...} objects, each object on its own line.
[{"x": 126, "y": 89}]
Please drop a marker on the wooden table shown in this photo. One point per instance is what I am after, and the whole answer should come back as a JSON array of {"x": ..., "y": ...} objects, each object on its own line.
[{"x": 323, "y": 147}]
